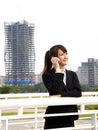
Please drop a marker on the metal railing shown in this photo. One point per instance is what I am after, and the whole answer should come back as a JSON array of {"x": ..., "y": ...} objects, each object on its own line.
[{"x": 38, "y": 105}]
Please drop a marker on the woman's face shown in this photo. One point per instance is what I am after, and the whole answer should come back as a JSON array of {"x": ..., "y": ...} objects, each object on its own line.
[{"x": 63, "y": 57}]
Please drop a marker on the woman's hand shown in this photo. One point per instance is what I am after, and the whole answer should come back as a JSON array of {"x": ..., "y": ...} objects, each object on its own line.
[
  {"x": 55, "y": 62},
  {"x": 58, "y": 95}
]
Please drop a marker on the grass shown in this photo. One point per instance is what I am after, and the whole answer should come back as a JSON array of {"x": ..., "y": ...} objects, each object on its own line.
[
  {"x": 14, "y": 113},
  {"x": 91, "y": 107}
]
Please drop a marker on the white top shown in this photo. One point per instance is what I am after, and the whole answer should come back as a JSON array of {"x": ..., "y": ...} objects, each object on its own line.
[{"x": 64, "y": 78}]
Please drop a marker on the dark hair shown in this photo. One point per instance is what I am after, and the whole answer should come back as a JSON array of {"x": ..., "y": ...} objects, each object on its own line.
[{"x": 49, "y": 54}]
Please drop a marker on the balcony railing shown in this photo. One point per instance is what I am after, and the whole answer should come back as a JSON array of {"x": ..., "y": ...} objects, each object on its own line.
[{"x": 37, "y": 103}]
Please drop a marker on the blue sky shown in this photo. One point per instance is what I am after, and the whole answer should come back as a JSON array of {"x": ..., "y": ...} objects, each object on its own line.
[{"x": 72, "y": 23}]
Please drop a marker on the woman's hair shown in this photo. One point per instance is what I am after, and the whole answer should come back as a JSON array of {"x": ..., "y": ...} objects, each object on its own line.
[{"x": 53, "y": 52}]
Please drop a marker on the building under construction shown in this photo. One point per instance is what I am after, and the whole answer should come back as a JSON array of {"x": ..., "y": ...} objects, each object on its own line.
[{"x": 19, "y": 53}]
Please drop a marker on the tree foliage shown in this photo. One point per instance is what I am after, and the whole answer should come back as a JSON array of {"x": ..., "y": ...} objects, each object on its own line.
[
  {"x": 23, "y": 89},
  {"x": 37, "y": 88}
]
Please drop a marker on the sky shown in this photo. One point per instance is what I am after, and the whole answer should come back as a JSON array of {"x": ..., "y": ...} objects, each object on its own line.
[{"x": 72, "y": 23}]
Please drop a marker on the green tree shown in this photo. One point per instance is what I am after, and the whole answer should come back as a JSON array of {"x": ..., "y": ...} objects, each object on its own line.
[
  {"x": 5, "y": 89},
  {"x": 15, "y": 89}
]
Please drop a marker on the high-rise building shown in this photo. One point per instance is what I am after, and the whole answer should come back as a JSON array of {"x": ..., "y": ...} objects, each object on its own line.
[
  {"x": 19, "y": 53},
  {"x": 88, "y": 73}
]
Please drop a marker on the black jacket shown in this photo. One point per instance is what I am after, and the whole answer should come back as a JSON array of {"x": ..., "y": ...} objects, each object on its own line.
[{"x": 55, "y": 85}]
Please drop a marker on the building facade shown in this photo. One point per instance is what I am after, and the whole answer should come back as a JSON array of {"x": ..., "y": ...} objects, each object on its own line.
[
  {"x": 88, "y": 72},
  {"x": 19, "y": 53},
  {"x": 2, "y": 80}
]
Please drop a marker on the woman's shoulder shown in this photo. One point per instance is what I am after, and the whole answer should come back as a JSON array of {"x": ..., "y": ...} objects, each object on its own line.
[
  {"x": 70, "y": 72},
  {"x": 51, "y": 71}
]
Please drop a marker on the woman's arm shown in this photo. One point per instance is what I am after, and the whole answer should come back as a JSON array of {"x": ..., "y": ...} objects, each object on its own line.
[{"x": 53, "y": 82}]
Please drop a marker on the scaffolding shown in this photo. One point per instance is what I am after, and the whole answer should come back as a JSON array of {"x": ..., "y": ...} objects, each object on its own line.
[{"x": 19, "y": 54}]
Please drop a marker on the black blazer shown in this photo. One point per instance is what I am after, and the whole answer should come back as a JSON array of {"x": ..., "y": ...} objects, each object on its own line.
[{"x": 55, "y": 85}]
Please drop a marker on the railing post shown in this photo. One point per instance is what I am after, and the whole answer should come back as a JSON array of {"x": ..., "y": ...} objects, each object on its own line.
[
  {"x": 94, "y": 121},
  {"x": 36, "y": 112},
  {"x": 0, "y": 120},
  {"x": 4, "y": 124},
  {"x": 20, "y": 111},
  {"x": 82, "y": 107}
]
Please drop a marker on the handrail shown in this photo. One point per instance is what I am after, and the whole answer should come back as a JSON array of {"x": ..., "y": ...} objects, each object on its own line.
[
  {"x": 23, "y": 95},
  {"x": 48, "y": 101},
  {"x": 33, "y": 95}
]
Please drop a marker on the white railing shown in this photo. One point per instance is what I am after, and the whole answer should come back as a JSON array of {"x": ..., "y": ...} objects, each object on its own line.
[
  {"x": 38, "y": 105},
  {"x": 35, "y": 95},
  {"x": 23, "y": 95}
]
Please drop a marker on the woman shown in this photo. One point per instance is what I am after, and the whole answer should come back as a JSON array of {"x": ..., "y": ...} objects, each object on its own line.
[{"x": 60, "y": 82}]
